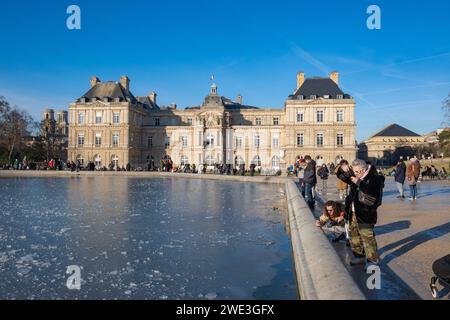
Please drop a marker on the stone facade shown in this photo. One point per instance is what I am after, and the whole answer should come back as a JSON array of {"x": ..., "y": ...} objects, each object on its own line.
[
  {"x": 386, "y": 146},
  {"x": 109, "y": 124}
]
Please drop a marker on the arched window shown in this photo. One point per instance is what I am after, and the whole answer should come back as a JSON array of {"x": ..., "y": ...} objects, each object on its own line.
[
  {"x": 184, "y": 160},
  {"x": 256, "y": 161},
  {"x": 210, "y": 160},
  {"x": 98, "y": 161},
  {"x": 275, "y": 162},
  {"x": 115, "y": 160},
  {"x": 210, "y": 140},
  {"x": 80, "y": 158},
  {"x": 238, "y": 161}
]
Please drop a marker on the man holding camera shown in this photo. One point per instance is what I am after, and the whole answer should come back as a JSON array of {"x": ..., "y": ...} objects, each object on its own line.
[{"x": 366, "y": 190}]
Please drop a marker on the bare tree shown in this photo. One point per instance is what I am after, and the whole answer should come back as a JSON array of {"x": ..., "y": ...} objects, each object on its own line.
[
  {"x": 446, "y": 110},
  {"x": 14, "y": 127}
]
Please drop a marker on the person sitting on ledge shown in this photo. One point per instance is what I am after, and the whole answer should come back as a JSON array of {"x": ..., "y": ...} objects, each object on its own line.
[{"x": 333, "y": 219}]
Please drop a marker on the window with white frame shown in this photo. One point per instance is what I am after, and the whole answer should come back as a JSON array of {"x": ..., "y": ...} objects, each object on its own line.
[
  {"x": 238, "y": 142},
  {"x": 210, "y": 140},
  {"x": 239, "y": 160},
  {"x": 184, "y": 141},
  {"x": 80, "y": 117},
  {"x": 340, "y": 116},
  {"x": 257, "y": 141},
  {"x": 300, "y": 140},
  {"x": 319, "y": 115},
  {"x": 98, "y": 161},
  {"x": 115, "y": 139},
  {"x": 80, "y": 158},
  {"x": 340, "y": 139},
  {"x": 256, "y": 160},
  {"x": 276, "y": 121},
  {"x": 98, "y": 117},
  {"x": 300, "y": 117},
  {"x": 275, "y": 162},
  {"x": 157, "y": 122},
  {"x": 275, "y": 142},
  {"x": 189, "y": 121},
  {"x": 319, "y": 139},
  {"x": 98, "y": 139},
  {"x": 81, "y": 139},
  {"x": 115, "y": 160},
  {"x": 116, "y": 117}
]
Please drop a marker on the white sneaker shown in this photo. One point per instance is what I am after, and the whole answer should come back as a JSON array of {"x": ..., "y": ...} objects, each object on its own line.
[{"x": 411, "y": 198}]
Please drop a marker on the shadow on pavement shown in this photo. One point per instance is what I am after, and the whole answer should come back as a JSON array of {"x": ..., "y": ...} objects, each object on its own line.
[
  {"x": 413, "y": 241},
  {"x": 391, "y": 227}
]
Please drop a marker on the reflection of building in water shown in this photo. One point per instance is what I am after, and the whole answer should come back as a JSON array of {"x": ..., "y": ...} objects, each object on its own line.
[
  {"x": 108, "y": 124},
  {"x": 97, "y": 204}
]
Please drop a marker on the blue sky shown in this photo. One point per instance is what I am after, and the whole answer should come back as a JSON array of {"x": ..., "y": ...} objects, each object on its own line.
[{"x": 400, "y": 73}]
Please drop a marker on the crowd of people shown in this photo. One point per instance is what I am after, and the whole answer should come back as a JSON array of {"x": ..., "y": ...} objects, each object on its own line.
[{"x": 165, "y": 165}]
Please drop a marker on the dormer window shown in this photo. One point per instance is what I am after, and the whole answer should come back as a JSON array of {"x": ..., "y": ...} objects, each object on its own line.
[
  {"x": 326, "y": 96},
  {"x": 117, "y": 99},
  {"x": 339, "y": 96},
  {"x": 83, "y": 100},
  {"x": 105, "y": 99},
  {"x": 313, "y": 97},
  {"x": 300, "y": 97}
]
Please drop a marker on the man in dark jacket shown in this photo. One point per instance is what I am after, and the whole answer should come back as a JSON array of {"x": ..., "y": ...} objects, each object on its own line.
[
  {"x": 366, "y": 190},
  {"x": 310, "y": 179},
  {"x": 400, "y": 174}
]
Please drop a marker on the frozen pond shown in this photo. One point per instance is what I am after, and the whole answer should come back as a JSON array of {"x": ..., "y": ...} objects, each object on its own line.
[{"x": 139, "y": 238}]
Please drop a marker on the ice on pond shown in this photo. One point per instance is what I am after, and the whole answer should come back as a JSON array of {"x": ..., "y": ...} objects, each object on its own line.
[{"x": 145, "y": 242}]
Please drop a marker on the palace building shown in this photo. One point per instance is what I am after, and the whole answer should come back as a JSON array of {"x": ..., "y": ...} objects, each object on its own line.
[
  {"x": 108, "y": 124},
  {"x": 389, "y": 144}
]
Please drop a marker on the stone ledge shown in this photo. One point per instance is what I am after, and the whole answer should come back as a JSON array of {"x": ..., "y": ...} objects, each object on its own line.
[{"x": 320, "y": 273}]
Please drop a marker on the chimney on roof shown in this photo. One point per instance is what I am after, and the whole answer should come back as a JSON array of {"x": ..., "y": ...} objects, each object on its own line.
[
  {"x": 125, "y": 82},
  {"x": 152, "y": 97},
  {"x": 300, "y": 79},
  {"x": 239, "y": 99},
  {"x": 173, "y": 105},
  {"x": 94, "y": 80},
  {"x": 335, "y": 77}
]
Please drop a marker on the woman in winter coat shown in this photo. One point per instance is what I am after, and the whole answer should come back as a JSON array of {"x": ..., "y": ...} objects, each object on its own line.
[{"x": 412, "y": 175}]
